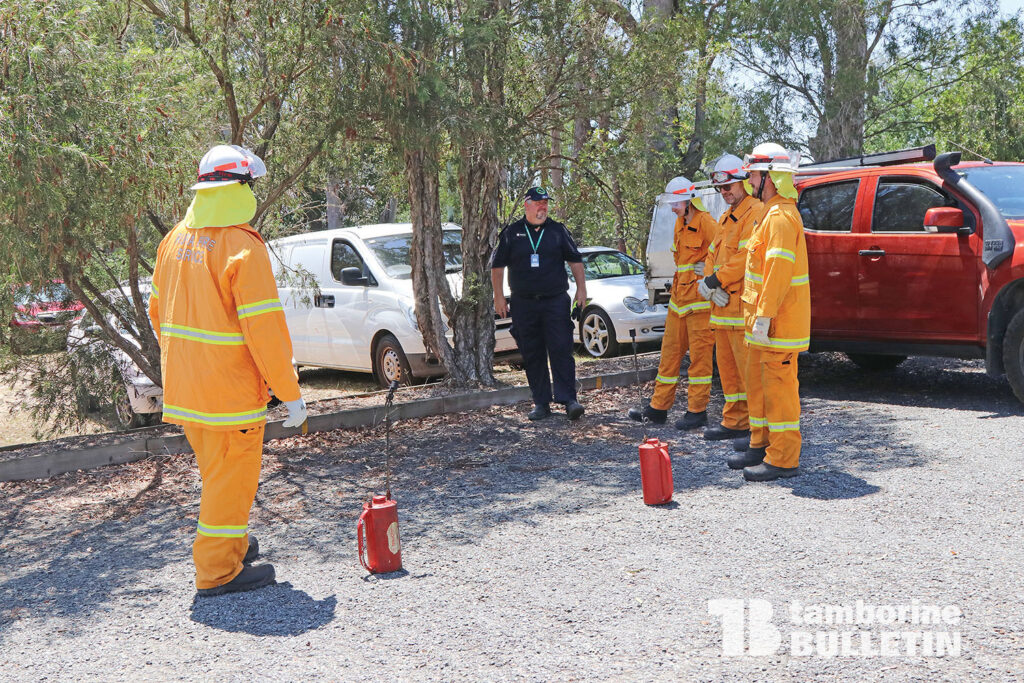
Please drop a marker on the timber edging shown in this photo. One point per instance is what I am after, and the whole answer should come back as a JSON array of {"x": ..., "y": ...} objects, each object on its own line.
[{"x": 133, "y": 449}]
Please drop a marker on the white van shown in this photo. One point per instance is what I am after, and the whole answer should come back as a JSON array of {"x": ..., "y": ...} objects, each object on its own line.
[
  {"x": 661, "y": 264},
  {"x": 363, "y": 316}
]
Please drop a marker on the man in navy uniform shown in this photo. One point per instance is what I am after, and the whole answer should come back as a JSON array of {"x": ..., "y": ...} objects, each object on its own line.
[{"x": 535, "y": 250}]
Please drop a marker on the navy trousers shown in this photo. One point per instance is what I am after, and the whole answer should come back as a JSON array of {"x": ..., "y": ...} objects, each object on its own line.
[{"x": 543, "y": 330}]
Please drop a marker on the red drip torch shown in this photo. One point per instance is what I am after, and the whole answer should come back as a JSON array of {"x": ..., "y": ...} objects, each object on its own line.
[
  {"x": 655, "y": 462},
  {"x": 378, "y": 542}
]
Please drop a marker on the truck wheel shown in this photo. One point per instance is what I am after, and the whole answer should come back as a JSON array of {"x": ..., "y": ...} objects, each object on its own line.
[
  {"x": 597, "y": 334},
  {"x": 390, "y": 363},
  {"x": 1013, "y": 354},
  {"x": 875, "y": 362}
]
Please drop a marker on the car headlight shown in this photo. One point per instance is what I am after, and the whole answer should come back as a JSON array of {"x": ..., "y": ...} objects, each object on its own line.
[
  {"x": 635, "y": 305},
  {"x": 410, "y": 315}
]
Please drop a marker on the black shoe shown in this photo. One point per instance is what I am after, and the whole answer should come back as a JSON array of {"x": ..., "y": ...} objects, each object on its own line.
[
  {"x": 741, "y": 444},
  {"x": 692, "y": 420},
  {"x": 539, "y": 412},
  {"x": 766, "y": 472},
  {"x": 249, "y": 579},
  {"x": 720, "y": 433},
  {"x": 253, "y": 550},
  {"x": 648, "y": 414},
  {"x": 573, "y": 410},
  {"x": 749, "y": 458}
]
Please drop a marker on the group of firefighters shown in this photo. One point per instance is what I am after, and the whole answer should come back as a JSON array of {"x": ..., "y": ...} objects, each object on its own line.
[{"x": 741, "y": 287}]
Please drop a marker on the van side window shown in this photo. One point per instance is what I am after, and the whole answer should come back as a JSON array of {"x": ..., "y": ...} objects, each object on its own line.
[
  {"x": 829, "y": 207},
  {"x": 343, "y": 255},
  {"x": 900, "y": 205}
]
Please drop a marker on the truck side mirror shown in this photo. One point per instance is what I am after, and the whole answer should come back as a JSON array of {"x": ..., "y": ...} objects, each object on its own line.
[
  {"x": 945, "y": 219},
  {"x": 354, "y": 276}
]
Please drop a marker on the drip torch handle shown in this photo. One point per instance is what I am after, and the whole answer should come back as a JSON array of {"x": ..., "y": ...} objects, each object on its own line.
[{"x": 360, "y": 542}]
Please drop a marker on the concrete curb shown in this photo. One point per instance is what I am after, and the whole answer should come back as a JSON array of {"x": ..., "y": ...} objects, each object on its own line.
[{"x": 59, "y": 462}]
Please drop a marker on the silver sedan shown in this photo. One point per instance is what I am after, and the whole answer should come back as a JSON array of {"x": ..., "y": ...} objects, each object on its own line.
[{"x": 616, "y": 303}]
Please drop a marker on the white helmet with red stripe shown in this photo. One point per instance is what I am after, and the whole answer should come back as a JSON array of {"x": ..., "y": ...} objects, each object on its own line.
[
  {"x": 728, "y": 169},
  {"x": 769, "y": 156},
  {"x": 226, "y": 164},
  {"x": 679, "y": 189}
]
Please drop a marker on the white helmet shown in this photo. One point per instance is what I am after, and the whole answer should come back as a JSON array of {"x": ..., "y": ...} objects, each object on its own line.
[
  {"x": 728, "y": 169},
  {"x": 769, "y": 156},
  {"x": 226, "y": 164},
  {"x": 679, "y": 189}
]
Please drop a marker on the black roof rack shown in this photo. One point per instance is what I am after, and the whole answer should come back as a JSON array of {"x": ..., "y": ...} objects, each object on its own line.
[{"x": 900, "y": 156}]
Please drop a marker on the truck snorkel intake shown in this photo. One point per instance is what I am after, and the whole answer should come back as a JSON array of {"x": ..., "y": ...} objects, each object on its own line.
[{"x": 998, "y": 240}]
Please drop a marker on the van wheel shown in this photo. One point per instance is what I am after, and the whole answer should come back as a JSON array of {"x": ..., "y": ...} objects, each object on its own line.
[
  {"x": 390, "y": 363},
  {"x": 1013, "y": 354},
  {"x": 597, "y": 334},
  {"x": 875, "y": 362}
]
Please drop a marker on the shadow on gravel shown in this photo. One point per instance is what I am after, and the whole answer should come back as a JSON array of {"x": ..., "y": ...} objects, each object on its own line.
[
  {"x": 278, "y": 610},
  {"x": 829, "y": 486},
  {"x": 918, "y": 382}
]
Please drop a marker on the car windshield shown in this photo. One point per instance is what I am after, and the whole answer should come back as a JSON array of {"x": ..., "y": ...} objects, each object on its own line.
[
  {"x": 605, "y": 264},
  {"x": 50, "y": 293},
  {"x": 1004, "y": 185},
  {"x": 392, "y": 251}
]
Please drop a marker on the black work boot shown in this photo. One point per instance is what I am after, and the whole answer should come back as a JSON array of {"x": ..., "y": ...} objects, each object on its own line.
[
  {"x": 692, "y": 420},
  {"x": 253, "y": 551},
  {"x": 720, "y": 433},
  {"x": 748, "y": 458},
  {"x": 539, "y": 412},
  {"x": 573, "y": 410},
  {"x": 250, "y": 578},
  {"x": 648, "y": 414},
  {"x": 741, "y": 444},
  {"x": 766, "y": 472}
]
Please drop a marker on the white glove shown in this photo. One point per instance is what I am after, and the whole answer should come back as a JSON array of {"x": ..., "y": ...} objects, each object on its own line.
[
  {"x": 720, "y": 297},
  {"x": 296, "y": 413},
  {"x": 699, "y": 268},
  {"x": 759, "y": 330},
  {"x": 704, "y": 290}
]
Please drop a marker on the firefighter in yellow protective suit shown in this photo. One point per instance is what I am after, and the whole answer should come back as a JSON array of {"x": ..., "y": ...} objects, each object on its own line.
[
  {"x": 723, "y": 285},
  {"x": 686, "y": 326},
  {"x": 777, "y": 314},
  {"x": 223, "y": 340}
]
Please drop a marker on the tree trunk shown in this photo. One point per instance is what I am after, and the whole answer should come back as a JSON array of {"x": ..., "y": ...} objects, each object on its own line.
[
  {"x": 335, "y": 210},
  {"x": 429, "y": 284},
  {"x": 841, "y": 126}
]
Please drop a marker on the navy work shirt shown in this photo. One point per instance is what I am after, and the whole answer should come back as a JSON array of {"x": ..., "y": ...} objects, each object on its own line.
[{"x": 514, "y": 251}]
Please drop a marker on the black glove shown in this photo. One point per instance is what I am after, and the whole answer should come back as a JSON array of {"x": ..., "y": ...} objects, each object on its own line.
[
  {"x": 712, "y": 281},
  {"x": 575, "y": 314}
]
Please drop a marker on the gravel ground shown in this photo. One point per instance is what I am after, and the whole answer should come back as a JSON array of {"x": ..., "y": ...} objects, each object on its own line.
[{"x": 530, "y": 556}]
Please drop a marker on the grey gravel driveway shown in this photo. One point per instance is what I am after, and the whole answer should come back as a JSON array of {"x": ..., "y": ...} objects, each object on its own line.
[{"x": 530, "y": 556}]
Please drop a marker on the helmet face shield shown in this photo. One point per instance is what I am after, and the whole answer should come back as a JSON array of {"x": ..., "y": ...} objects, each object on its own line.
[{"x": 728, "y": 177}]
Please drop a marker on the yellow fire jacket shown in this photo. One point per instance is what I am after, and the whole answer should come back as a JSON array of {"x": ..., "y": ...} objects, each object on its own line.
[
  {"x": 690, "y": 247},
  {"x": 222, "y": 331},
  {"x": 727, "y": 259},
  {"x": 776, "y": 280}
]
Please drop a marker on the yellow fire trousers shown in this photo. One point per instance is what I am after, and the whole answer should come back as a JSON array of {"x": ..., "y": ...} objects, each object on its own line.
[
  {"x": 731, "y": 353},
  {"x": 773, "y": 398},
  {"x": 229, "y": 463},
  {"x": 682, "y": 333}
]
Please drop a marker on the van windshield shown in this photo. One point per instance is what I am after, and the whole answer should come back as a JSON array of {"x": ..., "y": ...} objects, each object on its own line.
[
  {"x": 1004, "y": 185},
  {"x": 392, "y": 251}
]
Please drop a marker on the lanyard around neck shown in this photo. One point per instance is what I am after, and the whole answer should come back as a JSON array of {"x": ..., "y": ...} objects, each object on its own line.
[{"x": 539, "y": 238}]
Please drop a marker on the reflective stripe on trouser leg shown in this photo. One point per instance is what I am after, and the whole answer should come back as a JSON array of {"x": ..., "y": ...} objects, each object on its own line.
[
  {"x": 673, "y": 346},
  {"x": 702, "y": 349},
  {"x": 229, "y": 463},
  {"x": 732, "y": 368},
  {"x": 755, "y": 398},
  {"x": 782, "y": 399}
]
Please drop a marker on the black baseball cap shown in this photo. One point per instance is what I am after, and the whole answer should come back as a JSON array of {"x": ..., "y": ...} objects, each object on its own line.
[{"x": 537, "y": 194}]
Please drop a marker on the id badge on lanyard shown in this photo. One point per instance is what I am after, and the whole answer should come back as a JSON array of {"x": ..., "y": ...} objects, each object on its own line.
[{"x": 534, "y": 257}]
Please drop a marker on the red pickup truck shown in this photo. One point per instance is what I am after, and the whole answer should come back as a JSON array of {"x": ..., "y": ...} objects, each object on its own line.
[{"x": 917, "y": 259}]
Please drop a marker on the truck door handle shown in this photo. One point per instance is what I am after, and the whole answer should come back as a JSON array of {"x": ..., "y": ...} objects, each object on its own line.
[
  {"x": 872, "y": 252},
  {"x": 324, "y": 301}
]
